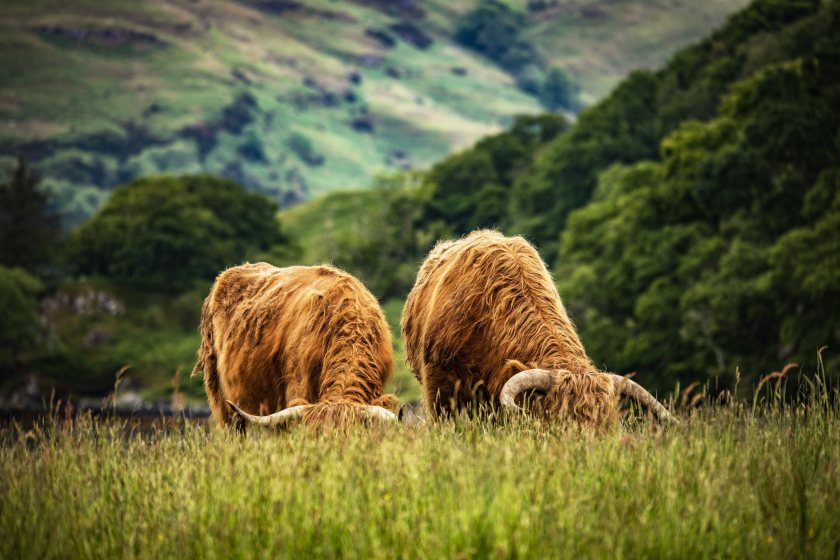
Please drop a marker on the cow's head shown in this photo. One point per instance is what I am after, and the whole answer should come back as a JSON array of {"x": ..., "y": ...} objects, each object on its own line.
[{"x": 588, "y": 399}]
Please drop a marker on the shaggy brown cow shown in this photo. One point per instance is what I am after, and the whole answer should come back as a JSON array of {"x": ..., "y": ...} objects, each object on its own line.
[
  {"x": 309, "y": 341},
  {"x": 484, "y": 320}
]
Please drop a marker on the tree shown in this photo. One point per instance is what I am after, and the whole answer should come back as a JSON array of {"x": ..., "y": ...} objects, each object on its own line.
[
  {"x": 169, "y": 231},
  {"x": 723, "y": 255},
  {"x": 628, "y": 125},
  {"x": 620, "y": 129},
  {"x": 456, "y": 182},
  {"x": 493, "y": 30},
  {"x": 471, "y": 189},
  {"x": 558, "y": 91},
  {"x": 29, "y": 232},
  {"x": 385, "y": 248}
]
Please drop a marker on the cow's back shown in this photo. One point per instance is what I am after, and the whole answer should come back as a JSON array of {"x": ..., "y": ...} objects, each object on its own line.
[
  {"x": 267, "y": 329},
  {"x": 480, "y": 303}
]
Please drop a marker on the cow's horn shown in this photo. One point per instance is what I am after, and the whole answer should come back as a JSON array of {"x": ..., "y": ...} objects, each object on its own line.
[
  {"x": 379, "y": 413},
  {"x": 282, "y": 417},
  {"x": 527, "y": 380},
  {"x": 625, "y": 386}
]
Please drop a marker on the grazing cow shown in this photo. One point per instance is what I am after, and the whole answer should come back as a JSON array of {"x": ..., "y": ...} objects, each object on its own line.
[
  {"x": 484, "y": 322},
  {"x": 309, "y": 342}
]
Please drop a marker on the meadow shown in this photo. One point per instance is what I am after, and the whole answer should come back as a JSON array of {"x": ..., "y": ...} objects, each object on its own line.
[
  {"x": 733, "y": 479},
  {"x": 691, "y": 219}
]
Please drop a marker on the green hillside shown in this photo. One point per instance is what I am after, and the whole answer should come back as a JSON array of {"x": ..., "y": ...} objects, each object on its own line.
[
  {"x": 292, "y": 98},
  {"x": 690, "y": 217}
]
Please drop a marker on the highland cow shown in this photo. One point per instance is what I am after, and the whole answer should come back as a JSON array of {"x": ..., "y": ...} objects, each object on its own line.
[
  {"x": 484, "y": 323},
  {"x": 280, "y": 344}
]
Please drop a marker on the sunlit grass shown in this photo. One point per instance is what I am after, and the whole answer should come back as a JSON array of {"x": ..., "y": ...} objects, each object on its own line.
[{"x": 728, "y": 481}]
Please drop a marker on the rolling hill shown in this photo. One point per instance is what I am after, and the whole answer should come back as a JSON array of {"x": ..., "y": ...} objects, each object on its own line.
[{"x": 290, "y": 98}]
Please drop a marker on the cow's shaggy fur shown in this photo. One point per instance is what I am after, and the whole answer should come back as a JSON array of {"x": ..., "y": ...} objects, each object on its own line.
[
  {"x": 484, "y": 308},
  {"x": 273, "y": 337}
]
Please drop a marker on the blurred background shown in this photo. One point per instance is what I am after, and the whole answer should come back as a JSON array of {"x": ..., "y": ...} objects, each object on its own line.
[{"x": 676, "y": 163}]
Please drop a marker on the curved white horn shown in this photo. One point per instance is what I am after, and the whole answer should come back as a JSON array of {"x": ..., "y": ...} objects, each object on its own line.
[
  {"x": 624, "y": 386},
  {"x": 524, "y": 381},
  {"x": 379, "y": 413},
  {"x": 282, "y": 417}
]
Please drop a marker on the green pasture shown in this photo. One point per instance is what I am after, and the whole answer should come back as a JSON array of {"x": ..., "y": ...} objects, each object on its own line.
[{"x": 731, "y": 480}]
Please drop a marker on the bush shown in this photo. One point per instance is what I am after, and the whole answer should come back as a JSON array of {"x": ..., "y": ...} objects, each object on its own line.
[
  {"x": 384, "y": 248},
  {"x": 252, "y": 148},
  {"x": 629, "y": 124}
]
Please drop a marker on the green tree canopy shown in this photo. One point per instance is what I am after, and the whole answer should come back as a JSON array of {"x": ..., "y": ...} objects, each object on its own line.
[
  {"x": 171, "y": 230},
  {"x": 493, "y": 29},
  {"x": 725, "y": 254},
  {"x": 472, "y": 189},
  {"x": 629, "y": 124},
  {"x": 558, "y": 91}
]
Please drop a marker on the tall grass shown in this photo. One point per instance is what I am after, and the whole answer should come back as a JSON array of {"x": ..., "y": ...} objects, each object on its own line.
[{"x": 731, "y": 480}]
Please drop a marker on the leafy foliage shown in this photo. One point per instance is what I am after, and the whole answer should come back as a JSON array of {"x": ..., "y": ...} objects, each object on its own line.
[
  {"x": 564, "y": 172},
  {"x": 99, "y": 327},
  {"x": 692, "y": 217},
  {"x": 494, "y": 30},
  {"x": 630, "y": 123},
  {"x": 172, "y": 230},
  {"x": 384, "y": 250},
  {"x": 472, "y": 189},
  {"x": 558, "y": 91},
  {"x": 723, "y": 255},
  {"x": 303, "y": 148},
  {"x": 702, "y": 216}
]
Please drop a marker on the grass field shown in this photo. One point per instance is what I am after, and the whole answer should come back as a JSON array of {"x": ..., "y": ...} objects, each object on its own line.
[{"x": 731, "y": 480}]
